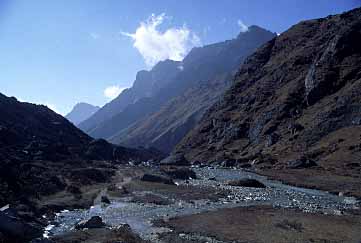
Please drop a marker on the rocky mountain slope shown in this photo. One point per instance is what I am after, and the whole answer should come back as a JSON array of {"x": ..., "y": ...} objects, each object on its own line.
[
  {"x": 146, "y": 84},
  {"x": 294, "y": 110},
  {"x": 81, "y": 112},
  {"x": 161, "y": 121},
  {"x": 163, "y": 129}
]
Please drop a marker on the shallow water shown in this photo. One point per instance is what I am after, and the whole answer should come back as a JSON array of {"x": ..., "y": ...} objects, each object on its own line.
[{"x": 139, "y": 216}]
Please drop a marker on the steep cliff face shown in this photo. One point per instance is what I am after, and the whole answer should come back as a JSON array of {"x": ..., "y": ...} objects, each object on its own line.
[
  {"x": 295, "y": 107},
  {"x": 206, "y": 72},
  {"x": 146, "y": 84}
]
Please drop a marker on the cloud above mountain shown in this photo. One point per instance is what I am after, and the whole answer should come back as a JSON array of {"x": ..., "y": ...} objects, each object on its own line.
[
  {"x": 113, "y": 91},
  {"x": 155, "y": 45},
  {"x": 242, "y": 26}
]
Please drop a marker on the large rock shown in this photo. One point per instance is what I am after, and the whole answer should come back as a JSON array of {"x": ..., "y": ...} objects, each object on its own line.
[
  {"x": 180, "y": 173},
  {"x": 16, "y": 229},
  {"x": 92, "y": 223},
  {"x": 301, "y": 163},
  {"x": 105, "y": 199},
  {"x": 247, "y": 183},
  {"x": 157, "y": 178},
  {"x": 175, "y": 159}
]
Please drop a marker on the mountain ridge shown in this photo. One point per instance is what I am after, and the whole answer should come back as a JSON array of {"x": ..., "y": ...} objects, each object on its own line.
[{"x": 208, "y": 65}]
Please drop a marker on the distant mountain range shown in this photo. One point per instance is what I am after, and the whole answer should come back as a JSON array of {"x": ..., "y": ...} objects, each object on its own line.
[
  {"x": 294, "y": 111},
  {"x": 81, "y": 112},
  {"x": 166, "y": 102}
]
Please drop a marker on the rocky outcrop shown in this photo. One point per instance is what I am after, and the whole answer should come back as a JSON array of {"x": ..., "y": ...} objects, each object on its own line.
[{"x": 297, "y": 96}]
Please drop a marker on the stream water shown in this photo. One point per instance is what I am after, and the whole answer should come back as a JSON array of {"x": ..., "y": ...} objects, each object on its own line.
[{"x": 140, "y": 215}]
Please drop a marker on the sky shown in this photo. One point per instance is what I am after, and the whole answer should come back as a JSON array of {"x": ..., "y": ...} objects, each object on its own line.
[{"x": 62, "y": 52}]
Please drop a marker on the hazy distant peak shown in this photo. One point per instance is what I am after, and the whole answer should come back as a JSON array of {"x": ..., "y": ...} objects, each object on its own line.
[{"x": 81, "y": 112}]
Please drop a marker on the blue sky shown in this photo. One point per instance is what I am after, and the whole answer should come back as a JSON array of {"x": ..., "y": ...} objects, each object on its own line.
[{"x": 62, "y": 52}]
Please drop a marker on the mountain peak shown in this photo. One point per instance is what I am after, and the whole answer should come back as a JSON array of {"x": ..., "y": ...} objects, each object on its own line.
[
  {"x": 253, "y": 30},
  {"x": 81, "y": 112}
]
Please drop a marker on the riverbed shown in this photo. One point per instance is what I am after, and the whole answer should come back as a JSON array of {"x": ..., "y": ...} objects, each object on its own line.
[{"x": 140, "y": 216}]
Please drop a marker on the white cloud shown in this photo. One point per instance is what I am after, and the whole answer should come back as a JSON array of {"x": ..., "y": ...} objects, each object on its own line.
[
  {"x": 243, "y": 27},
  {"x": 94, "y": 35},
  {"x": 154, "y": 45},
  {"x": 113, "y": 91}
]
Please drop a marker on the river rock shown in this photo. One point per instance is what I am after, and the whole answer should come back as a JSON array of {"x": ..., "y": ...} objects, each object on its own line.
[
  {"x": 247, "y": 183},
  {"x": 157, "y": 178},
  {"x": 105, "y": 199},
  {"x": 92, "y": 223}
]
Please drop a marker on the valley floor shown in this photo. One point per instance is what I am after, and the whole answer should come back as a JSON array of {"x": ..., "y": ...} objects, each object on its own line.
[{"x": 207, "y": 209}]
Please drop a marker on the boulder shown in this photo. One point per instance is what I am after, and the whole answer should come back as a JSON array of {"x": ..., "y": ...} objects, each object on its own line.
[
  {"x": 157, "y": 178},
  {"x": 247, "y": 183},
  {"x": 16, "y": 229},
  {"x": 92, "y": 223},
  {"x": 175, "y": 159},
  {"x": 180, "y": 173},
  {"x": 105, "y": 199},
  {"x": 301, "y": 163}
]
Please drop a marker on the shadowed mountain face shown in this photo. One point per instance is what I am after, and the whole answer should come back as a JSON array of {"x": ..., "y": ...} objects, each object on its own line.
[
  {"x": 163, "y": 119},
  {"x": 146, "y": 84},
  {"x": 28, "y": 131},
  {"x": 294, "y": 110},
  {"x": 41, "y": 152},
  {"x": 81, "y": 112}
]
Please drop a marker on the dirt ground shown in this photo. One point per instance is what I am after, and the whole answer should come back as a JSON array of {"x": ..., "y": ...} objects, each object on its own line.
[{"x": 266, "y": 224}]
